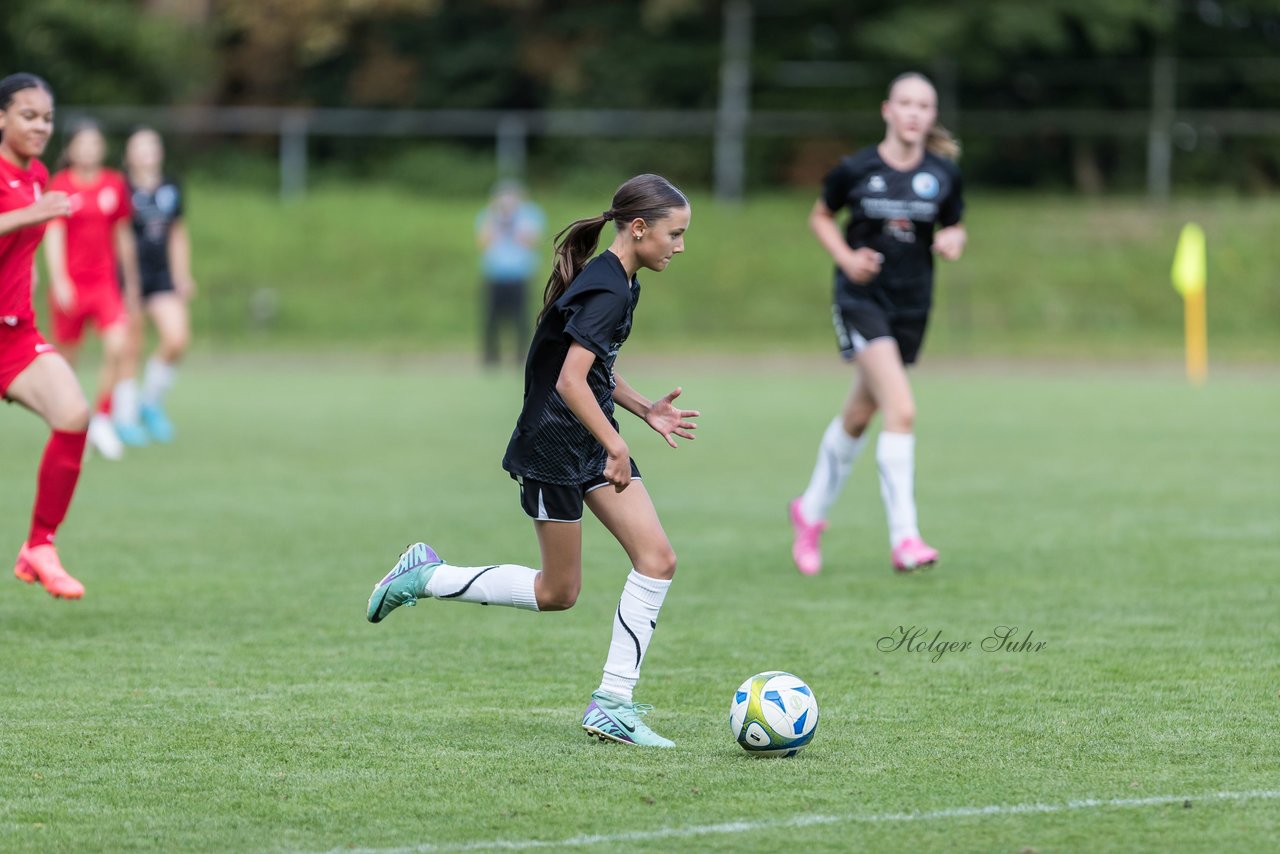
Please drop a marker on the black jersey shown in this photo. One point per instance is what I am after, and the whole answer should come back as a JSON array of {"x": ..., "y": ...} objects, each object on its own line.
[
  {"x": 549, "y": 443},
  {"x": 894, "y": 213},
  {"x": 154, "y": 213}
]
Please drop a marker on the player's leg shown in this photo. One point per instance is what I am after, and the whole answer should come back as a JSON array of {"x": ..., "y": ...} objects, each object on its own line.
[
  {"x": 886, "y": 374},
  {"x": 841, "y": 442},
  {"x": 169, "y": 313},
  {"x": 115, "y": 342},
  {"x": 631, "y": 518},
  {"x": 125, "y": 401},
  {"x": 489, "y": 334},
  {"x": 421, "y": 573},
  {"x": 48, "y": 387}
]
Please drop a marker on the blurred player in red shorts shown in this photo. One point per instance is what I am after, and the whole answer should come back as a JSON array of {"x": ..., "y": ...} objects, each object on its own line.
[
  {"x": 84, "y": 252},
  {"x": 31, "y": 372}
]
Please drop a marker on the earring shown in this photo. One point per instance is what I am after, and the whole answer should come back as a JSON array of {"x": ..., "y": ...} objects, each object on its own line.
[{"x": 637, "y": 237}]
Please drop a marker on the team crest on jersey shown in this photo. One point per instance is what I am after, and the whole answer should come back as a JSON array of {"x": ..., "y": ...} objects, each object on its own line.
[
  {"x": 167, "y": 199},
  {"x": 875, "y": 184},
  {"x": 925, "y": 185},
  {"x": 108, "y": 200}
]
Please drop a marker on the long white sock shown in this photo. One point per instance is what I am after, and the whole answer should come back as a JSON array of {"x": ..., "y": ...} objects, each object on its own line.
[
  {"x": 633, "y": 625},
  {"x": 836, "y": 454},
  {"x": 896, "y": 457},
  {"x": 124, "y": 402},
  {"x": 504, "y": 584},
  {"x": 157, "y": 381}
]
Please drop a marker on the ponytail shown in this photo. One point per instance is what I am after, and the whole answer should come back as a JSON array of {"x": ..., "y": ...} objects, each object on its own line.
[
  {"x": 648, "y": 197},
  {"x": 939, "y": 141}
]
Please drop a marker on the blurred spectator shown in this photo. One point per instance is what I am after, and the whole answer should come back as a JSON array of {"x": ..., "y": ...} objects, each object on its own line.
[{"x": 506, "y": 231}]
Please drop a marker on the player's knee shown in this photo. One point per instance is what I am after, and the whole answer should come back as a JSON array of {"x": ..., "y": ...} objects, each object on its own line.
[
  {"x": 174, "y": 346},
  {"x": 71, "y": 418},
  {"x": 661, "y": 563},
  {"x": 855, "y": 422},
  {"x": 901, "y": 419},
  {"x": 558, "y": 598}
]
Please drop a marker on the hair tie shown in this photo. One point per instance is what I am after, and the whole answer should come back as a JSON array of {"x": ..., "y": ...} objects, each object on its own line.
[{"x": 608, "y": 216}]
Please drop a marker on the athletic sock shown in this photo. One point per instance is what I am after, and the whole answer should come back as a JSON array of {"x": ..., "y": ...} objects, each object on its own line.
[
  {"x": 504, "y": 584},
  {"x": 55, "y": 484},
  {"x": 157, "y": 381},
  {"x": 103, "y": 406},
  {"x": 836, "y": 454},
  {"x": 124, "y": 404},
  {"x": 896, "y": 457},
  {"x": 633, "y": 625}
]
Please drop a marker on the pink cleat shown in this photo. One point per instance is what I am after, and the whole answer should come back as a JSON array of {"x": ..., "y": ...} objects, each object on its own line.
[
  {"x": 913, "y": 553},
  {"x": 40, "y": 563},
  {"x": 805, "y": 551}
]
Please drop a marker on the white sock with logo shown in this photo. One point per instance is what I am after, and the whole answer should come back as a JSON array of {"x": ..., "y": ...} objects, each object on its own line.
[
  {"x": 836, "y": 454},
  {"x": 896, "y": 457},
  {"x": 124, "y": 402},
  {"x": 506, "y": 584},
  {"x": 157, "y": 381},
  {"x": 633, "y": 625}
]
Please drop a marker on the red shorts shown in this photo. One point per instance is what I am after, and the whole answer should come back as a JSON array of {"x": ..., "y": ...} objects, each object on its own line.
[
  {"x": 20, "y": 344},
  {"x": 104, "y": 306}
]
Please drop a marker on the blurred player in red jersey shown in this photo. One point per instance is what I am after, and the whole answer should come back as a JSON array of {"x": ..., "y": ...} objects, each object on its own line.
[
  {"x": 31, "y": 371},
  {"x": 84, "y": 252}
]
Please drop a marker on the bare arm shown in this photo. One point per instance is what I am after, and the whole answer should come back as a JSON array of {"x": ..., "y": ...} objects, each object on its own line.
[
  {"x": 572, "y": 386},
  {"x": 180, "y": 260},
  {"x": 127, "y": 254},
  {"x": 49, "y": 206},
  {"x": 662, "y": 415},
  {"x": 860, "y": 265},
  {"x": 61, "y": 287}
]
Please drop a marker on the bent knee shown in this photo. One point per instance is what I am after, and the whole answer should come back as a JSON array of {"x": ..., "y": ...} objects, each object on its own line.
[
  {"x": 71, "y": 419},
  {"x": 659, "y": 564},
  {"x": 557, "y": 600}
]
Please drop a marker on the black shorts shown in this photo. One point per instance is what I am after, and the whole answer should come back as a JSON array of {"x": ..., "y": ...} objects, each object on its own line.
[
  {"x": 156, "y": 282},
  {"x": 554, "y": 502},
  {"x": 859, "y": 322}
]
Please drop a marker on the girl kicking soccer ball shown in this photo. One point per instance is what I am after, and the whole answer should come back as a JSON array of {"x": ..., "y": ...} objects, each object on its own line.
[{"x": 566, "y": 452}]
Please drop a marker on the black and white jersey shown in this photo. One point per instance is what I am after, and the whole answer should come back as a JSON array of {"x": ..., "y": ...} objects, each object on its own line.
[
  {"x": 154, "y": 213},
  {"x": 894, "y": 213},
  {"x": 549, "y": 443}
]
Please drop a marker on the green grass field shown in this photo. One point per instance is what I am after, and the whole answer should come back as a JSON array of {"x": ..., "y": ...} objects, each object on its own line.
[{"x": 218, "y": 688}]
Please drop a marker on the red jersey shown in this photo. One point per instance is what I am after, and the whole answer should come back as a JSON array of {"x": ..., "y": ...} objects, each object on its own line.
[
  {"x": 18, "y": 189},
  {"x": 96, "y": 207}
]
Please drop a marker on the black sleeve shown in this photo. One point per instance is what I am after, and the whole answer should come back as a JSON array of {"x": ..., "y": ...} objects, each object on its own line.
[
  {"x": 836, "y": 186},
  {"x": 592, "y": 316},
  {"x": 952, "y": 208}
]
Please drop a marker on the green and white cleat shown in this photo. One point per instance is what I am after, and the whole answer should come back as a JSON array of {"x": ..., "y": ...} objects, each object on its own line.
[
  {"x": 611, "y": 718},
  {"x": 406, "y": 583}
]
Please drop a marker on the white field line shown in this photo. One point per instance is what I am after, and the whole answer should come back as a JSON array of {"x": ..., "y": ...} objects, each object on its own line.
[{"x": 810, "y": 820}]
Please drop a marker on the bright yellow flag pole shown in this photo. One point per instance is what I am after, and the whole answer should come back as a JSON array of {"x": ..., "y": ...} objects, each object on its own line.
[{"x": 1189, "y": 279}]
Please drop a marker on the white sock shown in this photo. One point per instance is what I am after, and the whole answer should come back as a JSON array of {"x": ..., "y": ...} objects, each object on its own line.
[
  {"x": 633, "y": 625},
  {"x": 503, "y": 584},
  {"x": 896, "y": 457},
  {"x": 157, "y": 381},
  {"x": 124, "y": 402},
  {"x": 836, "y": 454}
]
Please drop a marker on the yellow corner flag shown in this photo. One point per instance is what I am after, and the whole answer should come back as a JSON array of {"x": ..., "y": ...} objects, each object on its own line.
[{"x": 1189, "y": 279}]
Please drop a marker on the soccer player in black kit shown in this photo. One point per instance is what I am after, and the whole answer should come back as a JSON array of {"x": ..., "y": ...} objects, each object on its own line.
[
  {"x": 904, "y": 201},
  {"x": 566, "y": 451},
  {"x": 164, "y": 261}
]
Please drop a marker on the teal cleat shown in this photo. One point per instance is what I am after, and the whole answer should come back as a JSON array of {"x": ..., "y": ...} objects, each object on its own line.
[
  {"x": 406, "y": 583},
  {"x": 611, "y": 718},
  {"x": 157, "y": 423},
  {"x": 132, "y": 435}
]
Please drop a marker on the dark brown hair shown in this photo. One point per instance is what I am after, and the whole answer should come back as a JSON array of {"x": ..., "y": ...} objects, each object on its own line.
[
  {"x": 648, "y": 197},
  {"x": 15, "y": 83},
  {"x": 939, "y": 140}
]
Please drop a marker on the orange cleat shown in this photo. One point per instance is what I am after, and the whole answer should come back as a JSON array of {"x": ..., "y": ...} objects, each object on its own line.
[{"x": 40, "y": 563}]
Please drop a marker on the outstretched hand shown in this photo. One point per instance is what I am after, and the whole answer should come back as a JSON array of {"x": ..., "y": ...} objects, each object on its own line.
[{"x": 668, "y": 421}]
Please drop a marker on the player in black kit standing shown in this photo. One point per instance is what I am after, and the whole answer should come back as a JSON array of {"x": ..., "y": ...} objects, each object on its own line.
[
  {"x": 905, "y": 204},
  {"x": 566, "y": 451}
]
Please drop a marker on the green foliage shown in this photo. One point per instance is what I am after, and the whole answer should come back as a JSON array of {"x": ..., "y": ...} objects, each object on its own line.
[
  {"x": 218, "y": 688},
  {"x": 104, "y": 51}
]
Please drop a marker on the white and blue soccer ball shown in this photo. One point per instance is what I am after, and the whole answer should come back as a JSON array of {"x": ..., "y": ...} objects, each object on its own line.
[{"x": 774, "y": 714}]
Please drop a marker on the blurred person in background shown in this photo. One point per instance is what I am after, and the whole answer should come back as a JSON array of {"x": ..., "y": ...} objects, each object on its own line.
[
  {"x": 566, "y": 452},
  {"x": 164, "y": 267},
  {"x": 507, "y": 230},
  {"x": 32, "y": 373},
  {"x": 905, "y": 204},
  {"x": 88, "y": 252}
]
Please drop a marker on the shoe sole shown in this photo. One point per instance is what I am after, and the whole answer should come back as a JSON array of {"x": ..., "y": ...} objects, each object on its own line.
[
  {"x": 920, "y": 567},
  {"x": 604, "y": 737}
]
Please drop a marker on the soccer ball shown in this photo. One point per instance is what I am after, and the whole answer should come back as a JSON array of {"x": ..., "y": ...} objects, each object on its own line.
[{"x": 774, "y": 714}]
